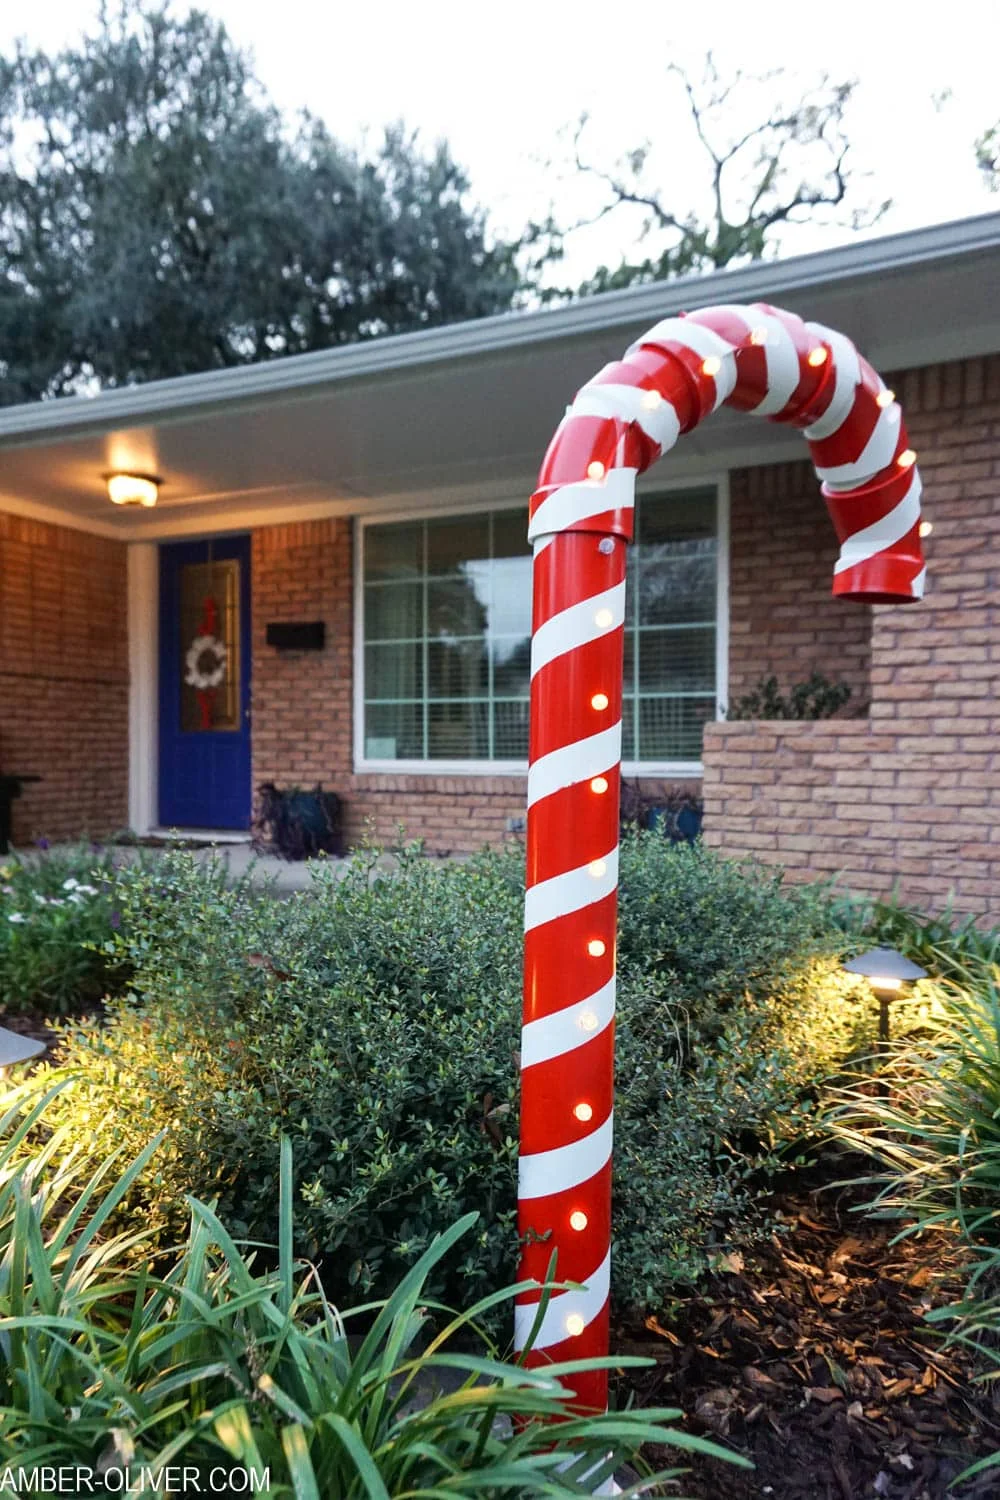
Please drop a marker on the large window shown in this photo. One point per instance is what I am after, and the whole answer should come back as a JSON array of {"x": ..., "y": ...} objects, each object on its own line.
[{"x": 447, "y": 635}]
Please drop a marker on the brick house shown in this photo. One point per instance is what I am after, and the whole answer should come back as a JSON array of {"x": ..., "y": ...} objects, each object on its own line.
[{"x": 380, "y": 491}]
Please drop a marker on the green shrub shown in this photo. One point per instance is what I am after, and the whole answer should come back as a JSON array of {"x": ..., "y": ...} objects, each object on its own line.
[
  {"x": 817, "y": 698},
  {"x": 375, "y": 1021},
  {"x": 213, "y": 1364},
  {"x": 57, "y": 914}
]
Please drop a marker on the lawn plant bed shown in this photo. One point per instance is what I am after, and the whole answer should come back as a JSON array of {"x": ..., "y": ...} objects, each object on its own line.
[{"x": 815, "y": 1360}]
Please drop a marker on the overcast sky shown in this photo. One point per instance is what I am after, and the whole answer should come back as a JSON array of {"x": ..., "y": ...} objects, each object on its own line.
[{"x": 500, "y": 80}]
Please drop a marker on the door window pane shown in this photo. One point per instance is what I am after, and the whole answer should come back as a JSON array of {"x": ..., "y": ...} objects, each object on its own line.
[{"x": 210, "y": 646}]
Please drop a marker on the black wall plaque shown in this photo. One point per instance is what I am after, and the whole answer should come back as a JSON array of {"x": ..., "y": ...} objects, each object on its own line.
[{"x": 298, "y": 635}]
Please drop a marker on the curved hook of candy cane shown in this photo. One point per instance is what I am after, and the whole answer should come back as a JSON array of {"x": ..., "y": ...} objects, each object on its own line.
[{"x": 768, "y": 363}]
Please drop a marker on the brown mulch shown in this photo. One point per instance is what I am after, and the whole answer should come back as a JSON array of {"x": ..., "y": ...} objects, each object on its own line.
[{"x": 815, "y": 1362}]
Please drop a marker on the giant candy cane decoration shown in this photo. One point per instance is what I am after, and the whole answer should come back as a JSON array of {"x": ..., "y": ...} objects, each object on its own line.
[{"x": 767, "y": 362}]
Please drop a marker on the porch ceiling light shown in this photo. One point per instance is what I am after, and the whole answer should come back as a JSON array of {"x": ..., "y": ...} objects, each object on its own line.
[{"x": 133, "y": 489}]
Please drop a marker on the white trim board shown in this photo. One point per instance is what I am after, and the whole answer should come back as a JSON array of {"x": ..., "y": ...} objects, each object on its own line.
[{"x": 143, "y": 564}]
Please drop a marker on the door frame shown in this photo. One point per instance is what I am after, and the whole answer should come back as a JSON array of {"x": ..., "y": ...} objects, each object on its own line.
[
  {"x": 143, "y": 614},
  {"x": 143, "y": 574}
]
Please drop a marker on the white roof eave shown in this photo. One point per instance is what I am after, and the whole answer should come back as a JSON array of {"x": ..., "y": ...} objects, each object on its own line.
[{"x": 865, "y": 263}]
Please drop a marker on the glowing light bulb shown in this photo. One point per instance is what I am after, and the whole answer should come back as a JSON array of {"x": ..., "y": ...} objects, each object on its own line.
[
  {"x": 758, "y": 336},
  {"x": 885, "y": 398},
  {"x": 599, "y": 701},
  {"x": 596, "y": 947},
  {"x": 578, "y": 1219},
  {"x": 907, "y": 459},
  {"x": 574, "y": 1325},
  {"x": 819, "y": 357},
  {"x": 926, "y": 527},
  {"x": 584, "y": 1112},
  {"x": 604, "y": 618},
  {"x": 650, "y": 400},
  {"x": 597, "y": 868},
  {"x": 595, "y": 470},
  {"x": 711, "y": 365},
  {"x": 588, "y": 1021},
  {"x": 599, "y": 784}
]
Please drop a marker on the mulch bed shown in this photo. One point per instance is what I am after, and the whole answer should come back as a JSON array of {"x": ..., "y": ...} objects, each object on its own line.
[{"x": 816, "y": 1363}]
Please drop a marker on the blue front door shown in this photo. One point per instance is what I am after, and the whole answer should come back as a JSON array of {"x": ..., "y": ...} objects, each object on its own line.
[{"x": 205, "y": 684}]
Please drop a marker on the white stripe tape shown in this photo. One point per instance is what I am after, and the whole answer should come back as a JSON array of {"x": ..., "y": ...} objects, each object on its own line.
[
  {"x": 573, "y": 503},
  {"x": 693, "y": 336},
  {"x": 780, "y": 355},
  {"x": 873, "y": 458},
  {"x": 702, "y": 341},
  {"x": 563, "y": 1305},
  {"x": 847, "y": 378},
  {"x": 883, "y": 533},
  {"x": 562, "y": 1032},
  {"x": 630, "y": 403},
  {"x": 783, "y": 373},
  {"x": 577, "y": 626},
  {"x": 917, "y": 586},
  {"x": 571, "y": 891},
  {"x": 570, "y": 764},
  {"x": 546, "y": 1172}
]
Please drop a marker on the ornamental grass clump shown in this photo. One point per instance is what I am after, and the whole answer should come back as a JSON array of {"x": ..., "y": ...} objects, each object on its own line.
[
  {"x": 224, "y": 1361},
  {"x": 930, "y": 1125},
  {"x": 375, "y": 1021},
  {"x": 933, "y": 1128}
]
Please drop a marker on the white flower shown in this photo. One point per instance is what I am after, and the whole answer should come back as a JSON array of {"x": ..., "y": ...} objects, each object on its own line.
[
  {"x": 70, "y": 884},
  {"x": 16, "y": 916},
  {"x": 86, "y": 890}
]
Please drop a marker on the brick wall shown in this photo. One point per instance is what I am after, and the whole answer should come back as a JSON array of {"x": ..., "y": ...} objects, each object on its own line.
[
  {"x": 915, "y": 793},
  {"x": 783, "y": 620},
  {"x": 64, "y": 678},
  {"x": 301, "y": 707}
]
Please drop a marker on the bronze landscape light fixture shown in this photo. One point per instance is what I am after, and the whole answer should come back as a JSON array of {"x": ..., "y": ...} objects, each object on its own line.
[
  {"x": 889, "y": 973},
  {"x": 15, "y": 1048}
]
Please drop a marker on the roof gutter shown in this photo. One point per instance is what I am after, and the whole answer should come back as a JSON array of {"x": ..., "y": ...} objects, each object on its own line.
[{"x": 507, "y": 333}]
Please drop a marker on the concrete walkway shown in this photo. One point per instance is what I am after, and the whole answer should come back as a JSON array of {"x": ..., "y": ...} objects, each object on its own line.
[{"x": 239, "y": 858}]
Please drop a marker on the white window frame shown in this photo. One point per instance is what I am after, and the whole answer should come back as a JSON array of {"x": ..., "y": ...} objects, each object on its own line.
[{"x": 668, "y": 769}]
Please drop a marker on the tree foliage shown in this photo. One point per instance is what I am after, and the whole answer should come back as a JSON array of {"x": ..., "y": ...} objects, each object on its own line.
[
  {"x": 159, "y": 216},
  {"x": 988, "y": 157},
  {"x": 786, "y": 168}
]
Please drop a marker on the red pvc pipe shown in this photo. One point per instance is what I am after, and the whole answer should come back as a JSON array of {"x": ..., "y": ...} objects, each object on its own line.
[{"x": 767, "y": 362}]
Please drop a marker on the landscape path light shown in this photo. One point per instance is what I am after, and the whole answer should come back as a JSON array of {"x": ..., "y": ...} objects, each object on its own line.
[
  {"x": 889, "y": 974},
  {"x": 768, "y": 363},
  {"x": 15, "y": 1048}
]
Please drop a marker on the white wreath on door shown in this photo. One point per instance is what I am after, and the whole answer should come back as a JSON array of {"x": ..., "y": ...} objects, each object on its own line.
[{"x": 196, "y": 675}]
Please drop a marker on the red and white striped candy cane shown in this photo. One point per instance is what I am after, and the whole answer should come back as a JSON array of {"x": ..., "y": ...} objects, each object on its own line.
[{"x": 761, "y": 360}]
